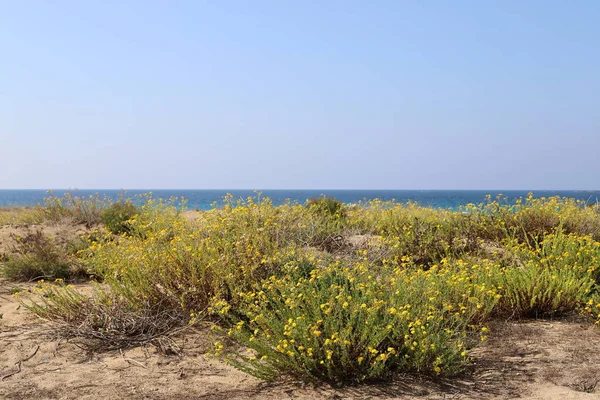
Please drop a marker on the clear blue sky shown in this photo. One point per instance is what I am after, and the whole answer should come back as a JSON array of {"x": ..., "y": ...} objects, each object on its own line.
[{"x": 300, "y": 94}]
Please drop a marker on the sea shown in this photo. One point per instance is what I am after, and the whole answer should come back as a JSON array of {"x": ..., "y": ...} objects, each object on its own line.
[{"x": 205, "y": 199}]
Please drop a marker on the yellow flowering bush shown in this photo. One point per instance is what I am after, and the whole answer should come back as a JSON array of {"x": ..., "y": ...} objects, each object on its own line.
[
  {"x": 532, "y": 218},
  {"x": 167, "y": 259},
  {"x": 342, "y": 323},
  {"x": 592, "y": 307},
  {"x": 556, "y": 275}
]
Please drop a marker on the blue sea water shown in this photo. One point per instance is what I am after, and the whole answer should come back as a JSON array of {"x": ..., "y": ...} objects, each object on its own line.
[{"x": 202, "y": 199}]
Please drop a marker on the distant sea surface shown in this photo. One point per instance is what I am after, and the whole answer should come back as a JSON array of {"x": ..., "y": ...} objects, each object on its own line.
[{"x": 202, "y": 199}]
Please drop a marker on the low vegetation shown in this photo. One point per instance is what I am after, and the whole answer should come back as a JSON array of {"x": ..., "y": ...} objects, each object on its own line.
[
  {"x": 322, "y": 290},
  {"x": 21, "y": 216},
  {"x": 36, "y": 256}
]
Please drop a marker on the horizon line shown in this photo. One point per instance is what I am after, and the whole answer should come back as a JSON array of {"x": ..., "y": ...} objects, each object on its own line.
[{"x": 304, "y": 189}]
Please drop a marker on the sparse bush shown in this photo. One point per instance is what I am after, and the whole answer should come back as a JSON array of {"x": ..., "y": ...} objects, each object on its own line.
[
  {"x": 38, "y": 257},
  {"x": 104, "y": 321},
  {"x": 328, "y": 221},
  {"x": 77, "y": 209}
]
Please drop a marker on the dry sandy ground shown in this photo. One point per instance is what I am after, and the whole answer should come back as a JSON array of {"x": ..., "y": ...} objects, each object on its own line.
[{"x": 529, "y": 360}]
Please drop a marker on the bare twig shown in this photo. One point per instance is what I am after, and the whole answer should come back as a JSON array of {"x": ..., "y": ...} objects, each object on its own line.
[
  {"x": 32, "y": 354},
  {"x": 132, "y": 361},
  {"x": 18, "y": 364}
]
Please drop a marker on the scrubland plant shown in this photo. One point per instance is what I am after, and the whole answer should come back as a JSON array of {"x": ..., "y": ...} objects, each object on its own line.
[
  {"x": 167, "y": 259},
  {"x": 413, "y": 294},
  {"x": 117, "y": 215},
  {"x": 532, "y": 218},
  {"x": 422, "y": 234},
  {"x": 325, "y": 223},
  {"x": 77, "y": 209},
  {"x": 592, "y": 307},
  {"x": 556, "y": 275},
  {"x": 104, "y": 320},
  {"x": 327, "y": 205},
  {"x": 20, "y": 215},
  {"x": 36, "y": 256},
  {"x": 342, "y": 323}
]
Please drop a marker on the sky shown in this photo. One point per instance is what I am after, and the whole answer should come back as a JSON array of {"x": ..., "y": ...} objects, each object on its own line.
[{"x": 300, "y": 94}]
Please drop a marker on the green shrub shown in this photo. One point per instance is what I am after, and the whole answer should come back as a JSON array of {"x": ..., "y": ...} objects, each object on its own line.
[
  {"x": 534, "y": 291},
  {"x": 592, "y": 308},
  {"x": 327, "y": 205},
  {"x": 344, "y": 325},
  {"x": 327, "y": 217},
  {"x": 116, "y": 217},
  {"x": 553, "y": 276}
]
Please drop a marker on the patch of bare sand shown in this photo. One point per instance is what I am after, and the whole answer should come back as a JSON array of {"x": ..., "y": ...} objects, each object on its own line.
[
  {"x": 191, "y": 215},
  {"x": 529, "y": 360},
  {"x": 549, "y": 359}
]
